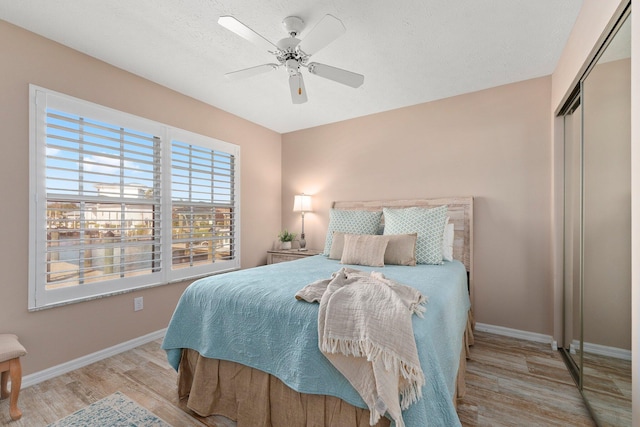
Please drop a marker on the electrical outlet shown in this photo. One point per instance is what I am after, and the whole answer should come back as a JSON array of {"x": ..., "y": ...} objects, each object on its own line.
[{"x": 138, "y": 304}]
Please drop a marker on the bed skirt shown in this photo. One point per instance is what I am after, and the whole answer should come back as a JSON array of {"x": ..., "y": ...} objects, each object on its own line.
[{"x": 254, "y": 398}]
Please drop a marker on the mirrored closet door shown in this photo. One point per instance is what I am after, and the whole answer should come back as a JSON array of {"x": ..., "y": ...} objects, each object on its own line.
[{"x": 597, "y": 232}]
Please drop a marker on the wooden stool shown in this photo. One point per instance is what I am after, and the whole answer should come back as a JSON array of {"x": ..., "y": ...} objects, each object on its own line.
[{"x": 10, "y": 353}]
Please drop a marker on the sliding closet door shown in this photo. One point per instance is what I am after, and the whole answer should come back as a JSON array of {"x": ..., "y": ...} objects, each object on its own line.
[
  {"x": 606, "y": 231},
  {"x": 597, "y": 230},
  {"x": 573, "y": 235}
]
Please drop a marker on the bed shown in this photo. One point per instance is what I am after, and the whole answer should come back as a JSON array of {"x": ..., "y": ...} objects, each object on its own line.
[{"x": 246, "y": 349}]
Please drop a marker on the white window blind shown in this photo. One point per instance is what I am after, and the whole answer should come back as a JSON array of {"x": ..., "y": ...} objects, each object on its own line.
[
  {"x": 120, "y": 202},
  {"x": 203, "y": 215},
  {"x": 103, "y": 211}
]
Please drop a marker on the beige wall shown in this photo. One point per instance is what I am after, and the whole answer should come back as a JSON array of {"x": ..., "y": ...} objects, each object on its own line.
[
  {"x": 57, "y": 335},
  {"x": 493, "y": 145}
]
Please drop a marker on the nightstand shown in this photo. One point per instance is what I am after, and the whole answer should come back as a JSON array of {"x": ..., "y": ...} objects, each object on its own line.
[{"x": 282, "y": 255}]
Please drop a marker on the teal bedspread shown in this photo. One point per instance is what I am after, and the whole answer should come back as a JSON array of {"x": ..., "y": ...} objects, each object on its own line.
[{"x": 252, "y": 317}]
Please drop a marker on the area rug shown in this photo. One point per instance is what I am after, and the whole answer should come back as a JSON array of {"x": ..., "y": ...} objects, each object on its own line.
[{"x": 116, "y": 410}]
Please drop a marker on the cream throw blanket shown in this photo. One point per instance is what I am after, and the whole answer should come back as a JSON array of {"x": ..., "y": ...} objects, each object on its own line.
[{"x": 365, "y": 330}]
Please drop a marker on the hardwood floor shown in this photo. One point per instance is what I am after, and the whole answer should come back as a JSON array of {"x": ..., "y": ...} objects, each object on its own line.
[
  {"x": 514, "y": 382},
  {"x": 510, "y": 382},
  {"x": 607, "y": 386}
]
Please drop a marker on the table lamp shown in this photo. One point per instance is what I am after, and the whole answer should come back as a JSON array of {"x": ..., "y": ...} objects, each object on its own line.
[{"x": 302, "y": 204}]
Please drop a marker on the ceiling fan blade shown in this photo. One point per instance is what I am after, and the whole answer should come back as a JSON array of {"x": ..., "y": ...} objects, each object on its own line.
[
  {"x": 336, "y": 74},
  {"x": 235, "y": 26},
  {"x": 250, "y": 72},
  {"x": 298, "y": 91},
  {"x": 327, "y": 30}
]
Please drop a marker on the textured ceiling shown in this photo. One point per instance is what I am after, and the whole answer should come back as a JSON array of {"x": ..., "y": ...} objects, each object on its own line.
[{"x": 410, "y": 51}]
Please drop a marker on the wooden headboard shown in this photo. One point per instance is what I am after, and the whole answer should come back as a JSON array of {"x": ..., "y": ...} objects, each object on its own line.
[{"x": 460, "y": 211}]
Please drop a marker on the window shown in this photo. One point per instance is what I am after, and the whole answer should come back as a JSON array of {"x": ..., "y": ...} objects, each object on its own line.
[{"x": 120, "y": 202}]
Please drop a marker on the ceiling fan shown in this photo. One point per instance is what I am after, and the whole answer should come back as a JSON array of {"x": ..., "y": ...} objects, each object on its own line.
[{"x": 293, "y": 53}]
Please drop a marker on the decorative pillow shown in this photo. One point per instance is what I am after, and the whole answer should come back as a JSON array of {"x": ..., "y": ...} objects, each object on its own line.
[
  {"x": 353, "y": 222},
  {"x": 447, "y": 242},
  {"x": 364, "y": 249},
  {"x": 337, "y": 245},
  {"x": 401, "y": 249},
  {"x": 428, "y": 223}
]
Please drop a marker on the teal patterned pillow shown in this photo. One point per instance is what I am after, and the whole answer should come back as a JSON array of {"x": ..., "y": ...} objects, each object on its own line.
[
  {"x": 428, "y": 223},
  {"x": 353, "y": 222}
]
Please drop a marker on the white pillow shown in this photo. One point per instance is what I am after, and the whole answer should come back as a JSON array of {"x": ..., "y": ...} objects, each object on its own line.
[{"x": 447, "y": 242}]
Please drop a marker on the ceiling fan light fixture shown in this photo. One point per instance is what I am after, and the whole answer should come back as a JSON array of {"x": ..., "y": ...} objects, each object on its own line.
[
  {"x": 293, "y": 25},
  {"x": 288, "y": 45},
  {"x": 293, "y": 66}
]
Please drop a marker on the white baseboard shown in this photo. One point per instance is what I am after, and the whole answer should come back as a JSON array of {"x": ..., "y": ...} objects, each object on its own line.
[
  {"x": 54, "y": 371},
  {"x": 601, "y": 350},
  {"x": 572, "y": 347},
  {"x": 516, "y": 333}
]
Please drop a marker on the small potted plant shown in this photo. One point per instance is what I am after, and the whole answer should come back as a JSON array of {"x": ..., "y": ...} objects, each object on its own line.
[{"x": 285, "y": 239}]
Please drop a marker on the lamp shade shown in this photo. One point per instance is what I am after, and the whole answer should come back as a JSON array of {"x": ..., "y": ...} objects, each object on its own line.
[{"x": 302, "y": 203}]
